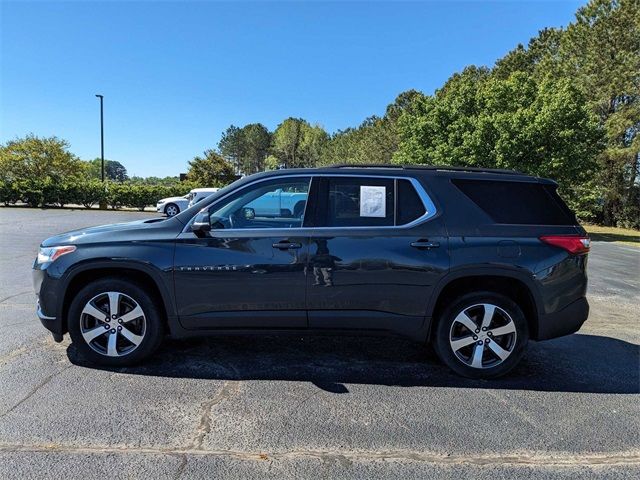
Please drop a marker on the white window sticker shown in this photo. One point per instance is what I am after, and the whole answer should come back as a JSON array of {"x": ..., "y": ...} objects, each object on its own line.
[{"x": 373, "y": 201}]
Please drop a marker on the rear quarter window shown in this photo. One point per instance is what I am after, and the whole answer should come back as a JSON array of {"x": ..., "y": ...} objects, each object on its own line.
[
  {"x": 409, "y": 206},
  {"x": 517, "y": 202}
]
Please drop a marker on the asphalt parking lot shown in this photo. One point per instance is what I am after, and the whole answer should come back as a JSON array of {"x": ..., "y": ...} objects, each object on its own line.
[{"x": 320, "y": 407}]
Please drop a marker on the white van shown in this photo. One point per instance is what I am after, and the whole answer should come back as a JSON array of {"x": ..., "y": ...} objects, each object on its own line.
[{"x": 198, "y": 194}]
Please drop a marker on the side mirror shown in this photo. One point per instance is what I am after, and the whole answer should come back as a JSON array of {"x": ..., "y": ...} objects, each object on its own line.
[
  {"x": 201, "y": 224},
  {"x": 248, "y": 213}
]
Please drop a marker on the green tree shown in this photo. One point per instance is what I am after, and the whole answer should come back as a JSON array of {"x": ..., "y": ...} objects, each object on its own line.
[
  {"x": 542, "y": 128},
  {"x": 538, "y": 58},
  {"x": 246, "y": 148},
  {"x": 162, "y": 181},
  {"x": 231, "y": 146},
  {"x": 375, "y": 140},
  {"x": 601, "y": 52},
  {"x": 438, "y": 130},
  {"x": 34, "y": 158},
  {"x": 404, "y": 102},
  {"x": 256, "y": 140},
  {"x": 372, "y": 142},
  {"x": 287, "y": 139},
  {"x": 272, "y": 163},
  {"x": 113, "y": 170},
  {"x": 296, "y": 143},
  {"x": 210, "y": 170}
]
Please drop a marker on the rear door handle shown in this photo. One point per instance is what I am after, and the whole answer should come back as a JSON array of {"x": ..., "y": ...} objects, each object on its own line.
[
  {"x": 285, "y": 245},
  {"x": 424, "y": 245}
]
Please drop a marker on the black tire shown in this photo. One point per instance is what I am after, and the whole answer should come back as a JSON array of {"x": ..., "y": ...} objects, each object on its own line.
[
  {"x": 152, "y": 331},
  {"x": 449, "y": 330},
  {"x": 170, "y": 208}
]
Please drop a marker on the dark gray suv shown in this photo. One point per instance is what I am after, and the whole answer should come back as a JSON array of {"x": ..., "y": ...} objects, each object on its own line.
[{"x": 476, "y": 262}]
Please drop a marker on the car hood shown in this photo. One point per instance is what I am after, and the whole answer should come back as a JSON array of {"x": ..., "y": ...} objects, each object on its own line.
[
  {"x": 173, "y": 199},
  {"x": 112, "y": 232}
]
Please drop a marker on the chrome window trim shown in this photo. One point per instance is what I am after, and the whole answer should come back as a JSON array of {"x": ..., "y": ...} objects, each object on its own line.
[{"x": 428, "y": 204}]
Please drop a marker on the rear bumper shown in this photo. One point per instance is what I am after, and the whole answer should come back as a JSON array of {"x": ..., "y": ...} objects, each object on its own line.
[{"x": 563, "y": 322}]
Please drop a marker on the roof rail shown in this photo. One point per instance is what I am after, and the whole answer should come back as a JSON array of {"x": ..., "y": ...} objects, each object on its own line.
[
  {"x": 501, "y": 171},
  {"x": 432, "y": 167},
  {"x": 365, "y": 165}
]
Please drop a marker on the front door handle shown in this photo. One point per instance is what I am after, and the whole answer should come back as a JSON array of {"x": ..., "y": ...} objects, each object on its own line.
[
  {"x": 286, "y": 245},
  {"x": 424, "y": 245}
]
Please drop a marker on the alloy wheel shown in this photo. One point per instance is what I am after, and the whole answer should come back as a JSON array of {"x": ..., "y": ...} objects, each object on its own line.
[
  {"x": 482, "y": 336},
  {"x": 113, "y": 324},
  {"x": 171, "y": 210}
]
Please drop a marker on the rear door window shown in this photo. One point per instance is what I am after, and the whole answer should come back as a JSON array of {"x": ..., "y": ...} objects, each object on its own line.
[
  {"x": 358, "y": 202},
  {"x": 366, "y": 202}
]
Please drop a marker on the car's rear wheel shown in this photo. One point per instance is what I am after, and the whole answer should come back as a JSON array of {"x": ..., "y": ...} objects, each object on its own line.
[
  {"x": 171, "y": 210},
  {"x": 481, "y": 335},
  {"x": 114, "y": 322}
]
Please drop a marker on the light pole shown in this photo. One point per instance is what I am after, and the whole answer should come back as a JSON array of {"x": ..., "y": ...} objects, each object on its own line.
[{"x": 101, "y": 97}]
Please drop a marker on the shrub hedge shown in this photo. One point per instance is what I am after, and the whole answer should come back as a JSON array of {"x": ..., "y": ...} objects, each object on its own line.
[{"x": 88, "y": 193}]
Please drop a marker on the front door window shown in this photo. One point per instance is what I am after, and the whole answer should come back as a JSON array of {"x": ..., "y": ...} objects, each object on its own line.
[{"x": 270, "y": 204}]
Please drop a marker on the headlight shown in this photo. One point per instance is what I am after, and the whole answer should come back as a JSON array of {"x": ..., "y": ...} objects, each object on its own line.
[{"x": 49, "y": 254}]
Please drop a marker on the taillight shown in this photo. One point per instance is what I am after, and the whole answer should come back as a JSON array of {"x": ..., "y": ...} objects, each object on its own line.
[{"x": 571, "y": 243}]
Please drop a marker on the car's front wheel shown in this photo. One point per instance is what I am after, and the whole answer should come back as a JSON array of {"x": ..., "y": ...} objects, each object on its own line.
[
  {"x": 481, "y": 335},
  {"x": 171, "y": 210},
  {"x": 114, "y": 322}
]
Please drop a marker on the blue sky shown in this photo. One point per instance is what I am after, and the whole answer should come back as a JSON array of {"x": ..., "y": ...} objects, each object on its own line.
[{"x": 176, "y": 74}]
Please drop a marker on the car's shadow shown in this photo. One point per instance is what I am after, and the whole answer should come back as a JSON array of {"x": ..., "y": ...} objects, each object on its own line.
[{"x": 577, "y": 363}]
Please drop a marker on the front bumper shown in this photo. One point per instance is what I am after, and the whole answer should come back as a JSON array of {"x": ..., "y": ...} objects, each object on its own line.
[
  {"x": 46, "y": 303},
  {"x": 160, "y": 208},
  {"x": 563, "y": 322},
  {"x": 50, "y": 323}
]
